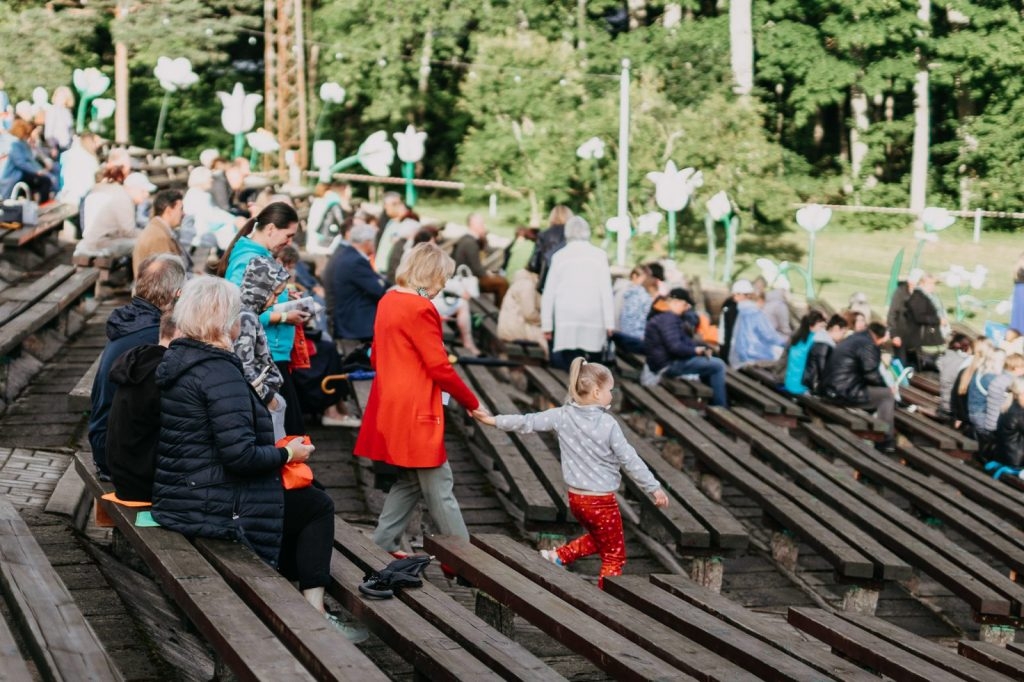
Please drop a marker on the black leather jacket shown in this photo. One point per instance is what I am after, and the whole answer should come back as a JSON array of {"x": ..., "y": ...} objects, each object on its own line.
[
  {"x": 852, "y": 368},
  {"x": 1010, "y": 436}
]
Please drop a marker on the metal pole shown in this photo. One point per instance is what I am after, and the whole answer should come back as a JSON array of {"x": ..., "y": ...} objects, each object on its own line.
[
  {"x": 623, "y": 212},
  {"x": 977, "y": 225}
]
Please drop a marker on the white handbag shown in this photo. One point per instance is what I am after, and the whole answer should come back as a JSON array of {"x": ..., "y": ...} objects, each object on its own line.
[{"x": 463, "y": 281}]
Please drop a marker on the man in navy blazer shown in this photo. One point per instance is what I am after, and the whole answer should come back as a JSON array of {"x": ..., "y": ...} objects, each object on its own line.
[{"x": 356, "y": 288}]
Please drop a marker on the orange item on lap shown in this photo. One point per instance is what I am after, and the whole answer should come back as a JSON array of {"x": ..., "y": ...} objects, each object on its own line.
[{"x": 295, "y": 474}]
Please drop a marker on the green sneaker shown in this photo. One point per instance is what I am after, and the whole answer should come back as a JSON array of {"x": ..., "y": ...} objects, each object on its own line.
[{"x": 353, "y": 633}]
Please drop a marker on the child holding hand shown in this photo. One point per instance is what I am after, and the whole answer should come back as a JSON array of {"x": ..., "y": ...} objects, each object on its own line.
[{"x": 593, "y": 450}]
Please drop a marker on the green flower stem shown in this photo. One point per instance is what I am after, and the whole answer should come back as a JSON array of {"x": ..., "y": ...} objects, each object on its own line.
[
  {"x": 83, "y": 109},
  {"x": 809, "y": 273},
  {"x": 731, "y": 223},
  {"x": 672, "y": 234},
  {"x": 254, "y": 158},
  {"x": 709, "y": 229},
  {"x": 239, "y": 145},
  {"x": 159, "y": 138},
  {"x": 409, "y": 172},
  {"x": 917, "y": 253},
  {"x": 347, "y": 162},
  {"x": 320, "y": 122}
]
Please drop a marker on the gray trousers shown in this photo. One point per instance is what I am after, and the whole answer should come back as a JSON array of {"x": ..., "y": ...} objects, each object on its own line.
[
  {"x": 435, "y": 485},
  {"x": 883, "y": 403}
]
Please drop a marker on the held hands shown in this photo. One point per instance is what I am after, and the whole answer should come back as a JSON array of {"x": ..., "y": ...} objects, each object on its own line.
[
  {"x": 483, "y": 416},
  {"x": 660, "y": 498},
  {"x": 300, "y": 451}
]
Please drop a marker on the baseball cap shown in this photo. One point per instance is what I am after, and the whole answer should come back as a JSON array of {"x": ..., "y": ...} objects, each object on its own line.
[
  {"x": 742, "y": 286},
  {"x": 139, "y": 181},
  {"x": 680, "y": 294}
]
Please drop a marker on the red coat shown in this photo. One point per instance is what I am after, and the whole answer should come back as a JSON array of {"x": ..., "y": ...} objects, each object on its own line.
[{"x": 403, "y": 423}]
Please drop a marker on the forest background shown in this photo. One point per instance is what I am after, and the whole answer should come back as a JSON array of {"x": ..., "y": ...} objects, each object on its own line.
[{"x": 507, "y": 91}]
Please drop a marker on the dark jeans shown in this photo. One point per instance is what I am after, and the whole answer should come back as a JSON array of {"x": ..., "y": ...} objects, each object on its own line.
[
  {"x": 293, "y": 424},
  {"x": 882, "y": 402},
  {"x": 563, "y": 358},
  {"x": 630, "y": 344},
  {"x": 308, "y": 537},
  {"x": 710, "y": 370}
]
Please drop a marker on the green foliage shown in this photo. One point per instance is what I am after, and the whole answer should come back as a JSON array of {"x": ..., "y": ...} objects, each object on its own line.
[{"x": 41, "y": 47}]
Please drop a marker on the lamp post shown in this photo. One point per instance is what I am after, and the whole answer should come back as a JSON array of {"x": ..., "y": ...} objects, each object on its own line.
[
  {"x": 174, "y": 75},
  {"x": 90, "y": 84},
  {"x": 622, "y": 215},
  {"x": 410, "y": 152},
  {"x": 238, "y": 115},
  {"x": 672, "y": 191}
]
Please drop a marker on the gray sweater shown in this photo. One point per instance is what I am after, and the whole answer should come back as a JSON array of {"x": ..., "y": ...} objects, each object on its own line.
[{"x": 592, "y": 445}]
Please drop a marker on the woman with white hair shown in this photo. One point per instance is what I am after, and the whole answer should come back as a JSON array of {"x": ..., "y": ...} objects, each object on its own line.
[
  {"x": 577, "y": 306},
  {"x": 218, "y": 471}
]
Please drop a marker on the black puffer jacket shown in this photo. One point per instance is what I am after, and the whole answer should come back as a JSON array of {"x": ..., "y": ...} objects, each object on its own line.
[
  {"x": 548, "y": 243},
  {"x": 852, "y": 368},
  {"x": 134, "y": 423},
  {"x": 1010, "y": 436},
  {"x": 218, "y": 472}
]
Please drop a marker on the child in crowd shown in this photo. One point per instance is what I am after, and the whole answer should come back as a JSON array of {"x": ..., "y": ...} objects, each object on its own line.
[
  {"x": 262, "y": 283},
  {"x": 593, "y": 450},
  {"x": 1009, "y": 450}
]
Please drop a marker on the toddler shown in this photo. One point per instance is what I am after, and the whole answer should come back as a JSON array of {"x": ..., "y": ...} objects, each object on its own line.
[{"x": 593, "y": 450}]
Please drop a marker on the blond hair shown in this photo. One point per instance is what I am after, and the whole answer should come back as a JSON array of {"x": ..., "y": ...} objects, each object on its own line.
[
  {"x": 585, "y": 377},
  {"x": 425, "y": 266},
  {"x": 983, "y": 348},
  {"x": 560, "y": 215},
  {"x": 1013, "y": 362},
  {"x": 208, "y": 310},
  {"x": 1017, "y": 387}
]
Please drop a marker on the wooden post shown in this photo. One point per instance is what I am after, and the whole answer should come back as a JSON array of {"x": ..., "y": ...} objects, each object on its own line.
[
  {"x": 861, "y": 599},
  {"x": 996, "y": 634},
  {"x": 707, "y": 571},
  {"x": 711, "y": 486},
  {"x": 785, "y": 550},
  {"x": 495, "y": 614}
]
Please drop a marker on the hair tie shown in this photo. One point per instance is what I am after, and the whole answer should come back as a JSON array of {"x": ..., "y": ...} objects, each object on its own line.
[{"x": 584, "y": 361}]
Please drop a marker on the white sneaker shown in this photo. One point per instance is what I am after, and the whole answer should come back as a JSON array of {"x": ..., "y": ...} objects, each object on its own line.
[
  {"x": 347, "y": 421},
  {"x": 551, "y": 555},
  {"x": 353, "y": 633}
]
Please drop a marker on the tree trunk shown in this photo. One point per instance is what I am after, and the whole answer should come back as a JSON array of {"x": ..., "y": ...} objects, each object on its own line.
[
  {"x": 922, "y": 115},
  {"x": 741, "y": 41},
  {"x": 858, "y": 147}
]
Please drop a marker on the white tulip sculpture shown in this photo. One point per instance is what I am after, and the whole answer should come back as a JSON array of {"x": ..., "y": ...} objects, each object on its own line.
[
  {"x": 174, "y": 75},
  {"x": 375, "y": 154},
  {"x": 330, "y": 93},
  {"x": 720, "y": 210},
  {"x": 672, "y": 191},
  {"x": 90, "y": 84},
  {"x": 261, "y": 141},
  {"x": 962, "y": 281},
  {"x": 934, "y": 220},
  {"x": 410, "y": 151},
  {"x": 238, "y": 115},
  {"x": 648, "y": 223},
  {"x": 592, "y": 150},
  {"x": 812, "y": 218},
  {"x": 102, "y": 109}
]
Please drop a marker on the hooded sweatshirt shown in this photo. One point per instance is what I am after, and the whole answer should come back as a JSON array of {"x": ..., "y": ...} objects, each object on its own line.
[
  {"x": 262, "y": 276},
  {"x": 131, "y": 325},
  {"x": 280, "y": 337},
  {"x": 134, "y": 422},
  {"x": 591, "y": 443}
]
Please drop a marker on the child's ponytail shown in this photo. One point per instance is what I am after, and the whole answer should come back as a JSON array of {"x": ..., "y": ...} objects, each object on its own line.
[{"x": 584, "y": 377}]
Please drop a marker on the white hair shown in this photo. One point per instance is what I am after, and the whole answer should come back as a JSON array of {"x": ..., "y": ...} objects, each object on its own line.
[
  {"x": 577, "y": 229},
  {"x": 360, "y": 234},
  {"x": 208, "y": 309}
]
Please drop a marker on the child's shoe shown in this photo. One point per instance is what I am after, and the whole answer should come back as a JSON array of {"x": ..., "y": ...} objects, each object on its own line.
[
  {"x": 552, "y": 556},
  {"x": 353, "y": 633}
]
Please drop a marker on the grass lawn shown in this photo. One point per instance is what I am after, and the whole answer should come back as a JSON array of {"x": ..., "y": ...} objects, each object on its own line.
[{"x": 845, "y": 261}]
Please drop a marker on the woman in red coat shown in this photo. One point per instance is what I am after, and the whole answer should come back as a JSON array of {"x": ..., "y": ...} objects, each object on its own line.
[{"x": 404, "y": 420}]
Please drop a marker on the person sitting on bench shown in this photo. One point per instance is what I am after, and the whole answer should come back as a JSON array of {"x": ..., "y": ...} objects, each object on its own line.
[
  {"x": 853, "y": 377},
  {"x": 134, "y": 421},
  {"x": 1009, "y": 448}
]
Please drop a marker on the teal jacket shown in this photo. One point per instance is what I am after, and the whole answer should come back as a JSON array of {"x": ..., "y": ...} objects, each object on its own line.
[{"x": 281, "y": 337}]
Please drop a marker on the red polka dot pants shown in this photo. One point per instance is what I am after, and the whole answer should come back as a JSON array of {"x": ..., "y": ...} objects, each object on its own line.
[{"x": 600, "y": 517}]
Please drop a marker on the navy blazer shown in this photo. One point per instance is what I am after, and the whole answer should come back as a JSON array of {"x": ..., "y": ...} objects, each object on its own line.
[{"x": 356, "y": 289}]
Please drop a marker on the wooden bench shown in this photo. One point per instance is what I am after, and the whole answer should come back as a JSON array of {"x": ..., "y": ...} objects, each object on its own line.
[
  {"x": 776, "y": 408},
  {"x": 61, "y": 641},
  {"x": 30, "y": 245},
  {"x": 80, "y": 397},
  {"x": 691, "y": 520},
  {"x": 888, "y": 649},
  {"x": 858, "y": 559},
  {"x": 691, "y": 392},
  {"x": 993, "y": 596},
  {"x": 1007, "y": 660},
  {"x": 112, "y": 271},
  {"x": 35, "y": 321},
  {"x": 245, "y": 638},
  {"x": 935, "y": 498},
  {"x": 486, "y": 313},
  {"x": 922, "y": 429}
]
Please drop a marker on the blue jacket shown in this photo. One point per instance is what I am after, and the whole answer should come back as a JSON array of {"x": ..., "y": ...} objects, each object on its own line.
[
  {"x": 281, "y": 337},
  {"x": 20, "y": 162},
  {"x": 131, "y": 325},
  {"x": 754, "y": 338},
  {"x": 217, "y": 469},
  {"x": 796, "y": 362},
  {"x": 665, "y": 341},
  {"x": 356, "y": 289}
]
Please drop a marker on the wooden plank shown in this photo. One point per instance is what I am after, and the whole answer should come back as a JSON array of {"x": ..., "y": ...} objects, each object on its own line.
[
  {"x": 34, "y": 292},
  {"x": 606, "y": 649},
  {"x": 49, "y": 306},
  {"x": 49, "y": 220},
  {"x": 510, "y": 659},
  {"x": 60, "y": 638},
  {"x": 773, "y": 493},
  {"x": 525, "y": 486},
  {"x": 904, "y": 536},
  {"x": 993, "y": 657},
  {"x": 938, "y": 435},
  {"x": 678, "y": 648},
  {"x": 866, "y": 649},
  {"x": 246, "y": 645},
  {"x": 982, "y": 527},
  {"x": 13, "y": 667},
  {"x": 322, "y": 649},
  {"x": 80, "y": 397},
  {"x": 434, "y": 655},
  {"x": 533, "y": 448},
  {"x": 972, "y": 482},
  {"x": 933, "y": 652},
  {"x": 753, "y": 623}
]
